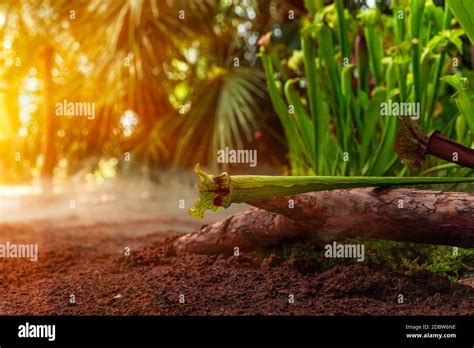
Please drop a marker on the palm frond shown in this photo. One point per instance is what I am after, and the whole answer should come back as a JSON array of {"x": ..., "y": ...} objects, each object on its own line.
[{"x": 223, "y": 111}]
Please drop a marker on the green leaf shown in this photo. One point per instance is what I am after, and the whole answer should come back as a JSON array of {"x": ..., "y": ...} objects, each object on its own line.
[
  {"x": 463, "y": 10},
  {"x": 372, "y": 116},
  {"x": 456, "y": 81},
  {"x": 416, "y": 13},
  {"x": 462, "y": 98}
]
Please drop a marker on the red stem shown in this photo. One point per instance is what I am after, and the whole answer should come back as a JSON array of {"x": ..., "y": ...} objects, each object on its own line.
[{"x": 449, "y": 150}]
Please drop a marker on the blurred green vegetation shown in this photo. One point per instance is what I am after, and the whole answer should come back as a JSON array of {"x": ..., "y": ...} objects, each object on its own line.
[{"x": 328, "y": 92}]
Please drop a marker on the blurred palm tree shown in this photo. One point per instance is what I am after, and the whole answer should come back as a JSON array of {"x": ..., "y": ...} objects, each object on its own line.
[
  {"x": 223, "y": 107},
  {"x": 125, "y": 57},
  {"x": 30, "y": 34}
]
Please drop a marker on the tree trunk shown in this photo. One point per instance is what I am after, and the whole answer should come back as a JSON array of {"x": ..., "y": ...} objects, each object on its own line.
[
  {"x": 48, "y": 130},
  {"x": 432, "y": 217},
  {"x": 246, "y": 230}
]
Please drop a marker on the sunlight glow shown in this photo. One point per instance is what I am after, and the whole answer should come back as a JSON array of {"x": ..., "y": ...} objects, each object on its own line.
[
  {"x": 371, "y": 3},
  {"x": 4, "y": 120},
  {"x": 7, "y": 44},
  {"x": 23, "y": 132},
  {"x": 32, "y": 84},
  {"x": 19, "y": 191},
  {"x": 128, "y": 121},
  {"x": 85, "y": 66},
  {"x": 28, "y": 100}
]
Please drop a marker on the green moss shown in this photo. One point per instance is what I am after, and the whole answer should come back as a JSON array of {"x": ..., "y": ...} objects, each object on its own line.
[{"x": 389, "y": 256}]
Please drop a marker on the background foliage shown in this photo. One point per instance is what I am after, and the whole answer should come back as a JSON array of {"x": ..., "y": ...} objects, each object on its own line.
[
  {"x": 171, "y": 80},
  {"x": 327, "y": 93}
]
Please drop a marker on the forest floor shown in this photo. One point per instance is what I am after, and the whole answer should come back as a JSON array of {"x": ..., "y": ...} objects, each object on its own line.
[
  {"x": 88, "y": 262},
  {"x": 86, "y": 258}
]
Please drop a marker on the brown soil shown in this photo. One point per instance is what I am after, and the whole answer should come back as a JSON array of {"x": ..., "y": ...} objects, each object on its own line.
[{"x": 88, "y": 261}]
